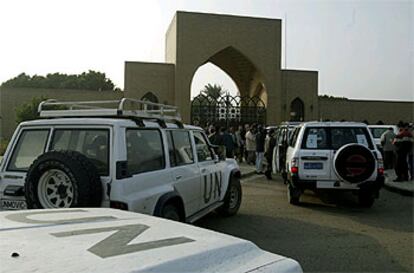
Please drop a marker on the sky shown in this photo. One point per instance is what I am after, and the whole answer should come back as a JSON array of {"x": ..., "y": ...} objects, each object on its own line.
[{"x": 362, "y": 49}]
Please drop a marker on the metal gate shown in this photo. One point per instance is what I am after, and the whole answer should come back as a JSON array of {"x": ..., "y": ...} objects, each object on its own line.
[{"x": 227, "y": 110}]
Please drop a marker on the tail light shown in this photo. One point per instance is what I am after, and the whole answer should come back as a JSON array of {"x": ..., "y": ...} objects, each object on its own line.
[
  {"x": 380, "y": 166},
  {"x": 294, "y": 165}
]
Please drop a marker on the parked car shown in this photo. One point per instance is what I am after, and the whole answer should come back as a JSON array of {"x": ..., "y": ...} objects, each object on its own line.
[
  {"x": 86, "y": 154},
  {"x": 107, "y": 240},
  {"x": 378, "y": 130},
  {"x": 334, "y": 156}
]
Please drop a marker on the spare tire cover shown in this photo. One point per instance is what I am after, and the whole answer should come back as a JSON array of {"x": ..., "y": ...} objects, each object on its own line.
[{"x": 354, "y": 163}]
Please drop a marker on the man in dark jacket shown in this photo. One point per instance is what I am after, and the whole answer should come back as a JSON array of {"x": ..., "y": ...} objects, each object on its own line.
[
  {"x": 270, "y": 144},
  {"x": 403, "y": 144}
]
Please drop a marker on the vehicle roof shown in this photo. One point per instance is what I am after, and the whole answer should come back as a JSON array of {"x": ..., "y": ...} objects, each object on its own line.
[
  {"x": 108, "y": 240},
  {"x": 334, "y": 124},
  {"x": 126, "y": 122},
  {"x": 382, "y": 126}
]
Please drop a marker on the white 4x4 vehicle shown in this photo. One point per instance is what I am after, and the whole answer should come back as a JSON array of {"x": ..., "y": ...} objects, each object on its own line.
[
  {"x": 334, "y": 156},
  {"x": 136, "y": 156},
  {"x": 107, "y": 240}
]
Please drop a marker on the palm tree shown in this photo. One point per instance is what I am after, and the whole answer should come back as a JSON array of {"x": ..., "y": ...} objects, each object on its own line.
[{"x": 215, "y": 91}]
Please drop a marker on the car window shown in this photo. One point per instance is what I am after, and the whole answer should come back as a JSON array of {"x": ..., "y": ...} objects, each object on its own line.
[
  {"x": 203, "y": 150},
  {"x": 294, "y": 137},
  {"x": 315, "y": 138},
  {"x": 30, "y": 145},
  {"x": 144, "y": 151},
  {"x": 377, "y": 132},
  {"x": 182, "y": 148},
  {"x": 341, "y": 136},
  {"x": 93, "y": 143}
]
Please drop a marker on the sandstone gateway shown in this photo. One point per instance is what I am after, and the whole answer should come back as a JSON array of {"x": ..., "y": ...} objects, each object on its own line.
[{"x": 248, "y": 50}]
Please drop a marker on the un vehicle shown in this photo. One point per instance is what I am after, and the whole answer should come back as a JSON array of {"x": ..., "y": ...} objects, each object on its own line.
[
  {"x": 326, "y": 156},
  {"x": 107, "y": 240},
  {"x": 128, "y": 154}
]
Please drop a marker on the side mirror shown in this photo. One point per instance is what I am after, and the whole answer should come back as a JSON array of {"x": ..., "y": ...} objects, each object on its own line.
[
  {"x": 219, "y": 152},
  {"x": 216, "y": 158}
]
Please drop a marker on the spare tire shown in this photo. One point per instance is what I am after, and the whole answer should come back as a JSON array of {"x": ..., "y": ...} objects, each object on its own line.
[
  {"x": 354, "y": 163},
  {"x": 62, "y": 179}
]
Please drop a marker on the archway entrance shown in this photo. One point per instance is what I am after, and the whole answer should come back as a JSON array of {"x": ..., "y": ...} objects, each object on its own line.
[{"x": 248, "y": 105}]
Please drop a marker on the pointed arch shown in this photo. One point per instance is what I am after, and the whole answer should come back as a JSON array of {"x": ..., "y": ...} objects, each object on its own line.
[
  {"x": 151, "y": 97},
  {"x": 297, "y": 110}
]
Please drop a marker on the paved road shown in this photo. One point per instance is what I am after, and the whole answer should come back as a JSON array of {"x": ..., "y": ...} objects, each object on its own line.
[{"x": 324, "y": 237}]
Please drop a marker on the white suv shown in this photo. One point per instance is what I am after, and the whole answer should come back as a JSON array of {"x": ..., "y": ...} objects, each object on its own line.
[
  {"x": 334, "y": 155},
  {"x": 141, "y": 158}
]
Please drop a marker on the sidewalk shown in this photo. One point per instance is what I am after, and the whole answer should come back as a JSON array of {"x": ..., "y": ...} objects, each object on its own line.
[{"x": 405, "y": 188}]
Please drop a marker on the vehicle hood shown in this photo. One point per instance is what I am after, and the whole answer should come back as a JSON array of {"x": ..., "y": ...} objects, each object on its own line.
[{"x": 107, "y": 240}]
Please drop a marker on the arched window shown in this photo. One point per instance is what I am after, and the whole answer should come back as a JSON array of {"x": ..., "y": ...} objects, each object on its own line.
[
  {"x": 152, "y": 98},
  {"x": 297, "y": 110}
]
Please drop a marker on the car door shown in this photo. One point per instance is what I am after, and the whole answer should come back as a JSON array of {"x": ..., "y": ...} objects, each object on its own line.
[
  {"x": 210, "y": 176},
  {"x": 277, "y": 150},
  {"x": 91, "y": 141},
  {"x": 30, "y": 143},
  {"x": 315, "y": 155},
  {"x": 185, "y": 171}
]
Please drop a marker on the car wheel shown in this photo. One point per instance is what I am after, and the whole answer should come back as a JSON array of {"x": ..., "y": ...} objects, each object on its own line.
[
  {"x": 366, "y": 199},
  {"x": 233, "y": 198},
  {"x": 171, "y": 212},
  {"x": 293, "y": 194},
  {"x": 62, "y": 179}
]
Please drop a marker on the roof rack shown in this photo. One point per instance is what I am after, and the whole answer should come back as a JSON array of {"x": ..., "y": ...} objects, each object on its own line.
[{"x": 123, "y": 108}]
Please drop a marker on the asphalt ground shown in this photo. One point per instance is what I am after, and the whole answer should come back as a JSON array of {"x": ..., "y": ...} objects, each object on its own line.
[{"x": 334, "y": 235}]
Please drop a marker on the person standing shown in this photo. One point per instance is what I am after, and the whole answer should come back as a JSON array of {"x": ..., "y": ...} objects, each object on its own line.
[
  {"x": 270, "y": 144},
  {"x": 251, "y": 145},
  {"x": 240, "y": 143},
  {"x": 386, "y": 141},
  {"x": 228, "y": 142},
  {"x": 260, "y": 143},
  {"x": 411, "y": 154},
  {"x": 403, "y": 142}
]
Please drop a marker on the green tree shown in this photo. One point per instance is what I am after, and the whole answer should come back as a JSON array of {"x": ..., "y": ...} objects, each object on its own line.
[
  {"x": 28, "y": 111},
  {"x": 91, "y": 80},
  {"x": 214, "y": 90}
]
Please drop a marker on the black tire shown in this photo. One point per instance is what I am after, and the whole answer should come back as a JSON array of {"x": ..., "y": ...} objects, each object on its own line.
[
  {"x": 354, "y": 163},
  {"x": 233, "y": 198},
  {"x": 366, "y": 199},
  {"x": 85, "y": 183},
  {"x": 293, "y": 194},
  {"x": 171, "y": 212}
]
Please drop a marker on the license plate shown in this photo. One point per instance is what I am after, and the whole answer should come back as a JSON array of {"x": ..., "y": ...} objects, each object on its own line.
[
  {"x": 325, "y": 184},
  {"x": 313, "y": 166},
  {"x": 13, "y": 204}
]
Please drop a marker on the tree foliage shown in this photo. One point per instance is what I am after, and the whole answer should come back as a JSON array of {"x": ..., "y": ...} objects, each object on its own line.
[
  {"x": 91, "y": 80},
  {"x": 214, "y": 90},
  {"x": 28, "y": 111}
]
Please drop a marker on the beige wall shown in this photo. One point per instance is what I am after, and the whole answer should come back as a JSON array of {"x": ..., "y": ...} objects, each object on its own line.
[
  {"x": 303, "y": 85},
  {"x": 389, "y": 112},
  {"x": 158, "y": 78},
  {"x": 11, "y": 98}
]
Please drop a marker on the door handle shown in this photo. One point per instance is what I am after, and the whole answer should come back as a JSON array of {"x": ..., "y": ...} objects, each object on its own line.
[{"x": 178, "y": 177}]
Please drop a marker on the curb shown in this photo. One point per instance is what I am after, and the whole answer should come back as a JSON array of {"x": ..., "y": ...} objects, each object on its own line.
[
  {"x": 247, "y": 174},
  {"x": 398, "y": 190}
]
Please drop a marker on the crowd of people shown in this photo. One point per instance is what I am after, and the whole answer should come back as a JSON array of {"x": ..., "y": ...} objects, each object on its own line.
[
  {"x": 250, "y": 143},
  {"x": 399, "y": 151}
]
